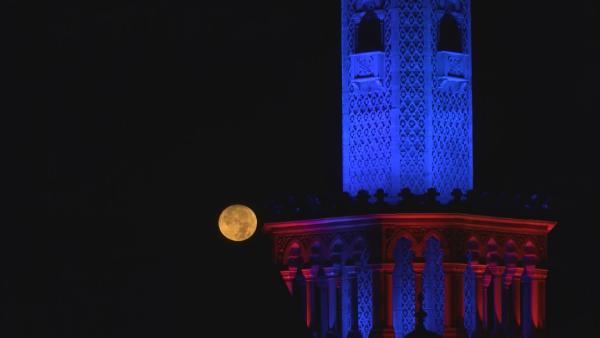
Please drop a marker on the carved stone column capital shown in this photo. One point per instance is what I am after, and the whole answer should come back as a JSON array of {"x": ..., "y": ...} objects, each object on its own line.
[
  {"x": 331, "y": 272},
  {"x": 309, "y": 274}
]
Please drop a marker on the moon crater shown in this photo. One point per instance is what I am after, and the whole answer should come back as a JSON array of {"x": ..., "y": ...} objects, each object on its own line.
[{"x": 237, "y": 222}]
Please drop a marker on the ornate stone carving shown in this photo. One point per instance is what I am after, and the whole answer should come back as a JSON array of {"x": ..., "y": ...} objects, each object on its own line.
[{"x": 367, "y": 71}]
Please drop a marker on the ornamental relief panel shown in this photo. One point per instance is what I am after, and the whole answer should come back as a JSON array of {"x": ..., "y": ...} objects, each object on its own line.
[
  {"x": 326, "y": 240},
  {"x": 454, "y": 242}
]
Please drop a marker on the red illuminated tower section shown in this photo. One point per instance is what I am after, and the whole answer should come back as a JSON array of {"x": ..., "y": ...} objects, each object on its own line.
[{"x": 351, "y": 279}]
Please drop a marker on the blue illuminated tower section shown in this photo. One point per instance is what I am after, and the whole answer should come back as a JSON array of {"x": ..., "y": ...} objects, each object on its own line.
[{"x": 406, "y": 96}]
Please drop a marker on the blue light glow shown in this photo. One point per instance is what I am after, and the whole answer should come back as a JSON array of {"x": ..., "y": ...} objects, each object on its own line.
[
  {"x": 365, "y": 298},
  {"x": 403, "y": 278},
  {"x": 406, "y": 109},
  {"x": 433, "y": 287}
]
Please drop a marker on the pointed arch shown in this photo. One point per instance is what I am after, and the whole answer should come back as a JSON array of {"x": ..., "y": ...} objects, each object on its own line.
[
  {"x": 294, "y": 254},
  {"x": 315, "y": 255},
  {"x": 369, "y": 36},
  {"x": 449, "y": 35},
  {"x": 357, "y": 249},
  {"x": 473, "y": 248}
]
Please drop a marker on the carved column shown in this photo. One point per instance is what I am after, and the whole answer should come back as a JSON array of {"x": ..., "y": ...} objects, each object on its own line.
[
  {"x": 332, "y": 274},
  {"x": 526, "y": 304},
  {"x": 352, "y": 310},
  {"x": 498, "y": 271},
  {"x": 538, "y": 298},
  {"x": 517, "y": 296},
  {"x": 542, "y": 301},
  {"x": 479, "y": 271},
  {"x": 310, "y": 275},
  {"x": 321, "y": 317},
  {"x": 389, "y": 301},
  {"x": 508, "y": 314}
]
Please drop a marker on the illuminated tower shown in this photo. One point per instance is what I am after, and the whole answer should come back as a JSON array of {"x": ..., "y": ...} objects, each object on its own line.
[
  {"x": 406, "y": 96},
  {"x": 354, "y": 269}
]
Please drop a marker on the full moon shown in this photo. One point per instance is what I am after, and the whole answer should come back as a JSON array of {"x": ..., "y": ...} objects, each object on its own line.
[{"x": 237, "y": 222}]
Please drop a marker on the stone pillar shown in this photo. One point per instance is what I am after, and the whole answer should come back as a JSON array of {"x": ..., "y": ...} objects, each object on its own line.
[
  {"x": 492, "y": 281},
  {"x": 389, "y": 300},
  {"x": 542, "y": 302},
  {"x": 351, "y": 272},
  {"x": 538, "y": 297},
  {"x": 516, "y": 285},
  {"x": 508, "y": 320},
  {"x": 526, "y": 304},
  {"x": 498, "y": 284},
  {"x": 332, "y": 275},
  {"x": 479, "y": 270},
  {"x": 322, "y": 306},
  {"x": 309, "y": 276}
]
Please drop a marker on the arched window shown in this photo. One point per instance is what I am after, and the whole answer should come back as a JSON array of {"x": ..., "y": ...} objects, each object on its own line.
[
  {"x": 369, "y": 34},
  {"x": 449, "y": 37}
]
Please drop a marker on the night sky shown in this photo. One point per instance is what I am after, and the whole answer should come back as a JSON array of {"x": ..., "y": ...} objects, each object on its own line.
[{"x": 127, "y": 126}]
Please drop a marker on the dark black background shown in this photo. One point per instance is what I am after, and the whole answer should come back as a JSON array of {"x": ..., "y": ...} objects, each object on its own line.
[{"x": 127, "y": 126}]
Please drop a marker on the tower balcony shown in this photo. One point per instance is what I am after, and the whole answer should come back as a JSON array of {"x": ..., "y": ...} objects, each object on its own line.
[
  {"x": 367, "y": 70},
  {"x": 452, "y": 70}
]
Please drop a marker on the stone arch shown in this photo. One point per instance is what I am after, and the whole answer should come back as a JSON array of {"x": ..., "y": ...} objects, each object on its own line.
[
  {"x": 490, "y": 283},
  {"x": 438, "y": 236},
  {"x": 449, "y": 34},
  {"x": 294, "y": 254},
  {"x": 369, "y": 34},
  {"x": 357, "y": 250},
  {"x": 511, "y": 255},
  {"x": 473, "y": 247},
  {"x": 391, "y": 244},
  {"x": 336, "y": 253},
  {"x": 315, "y": 253},
  {"x": 508, "y": 287}
]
